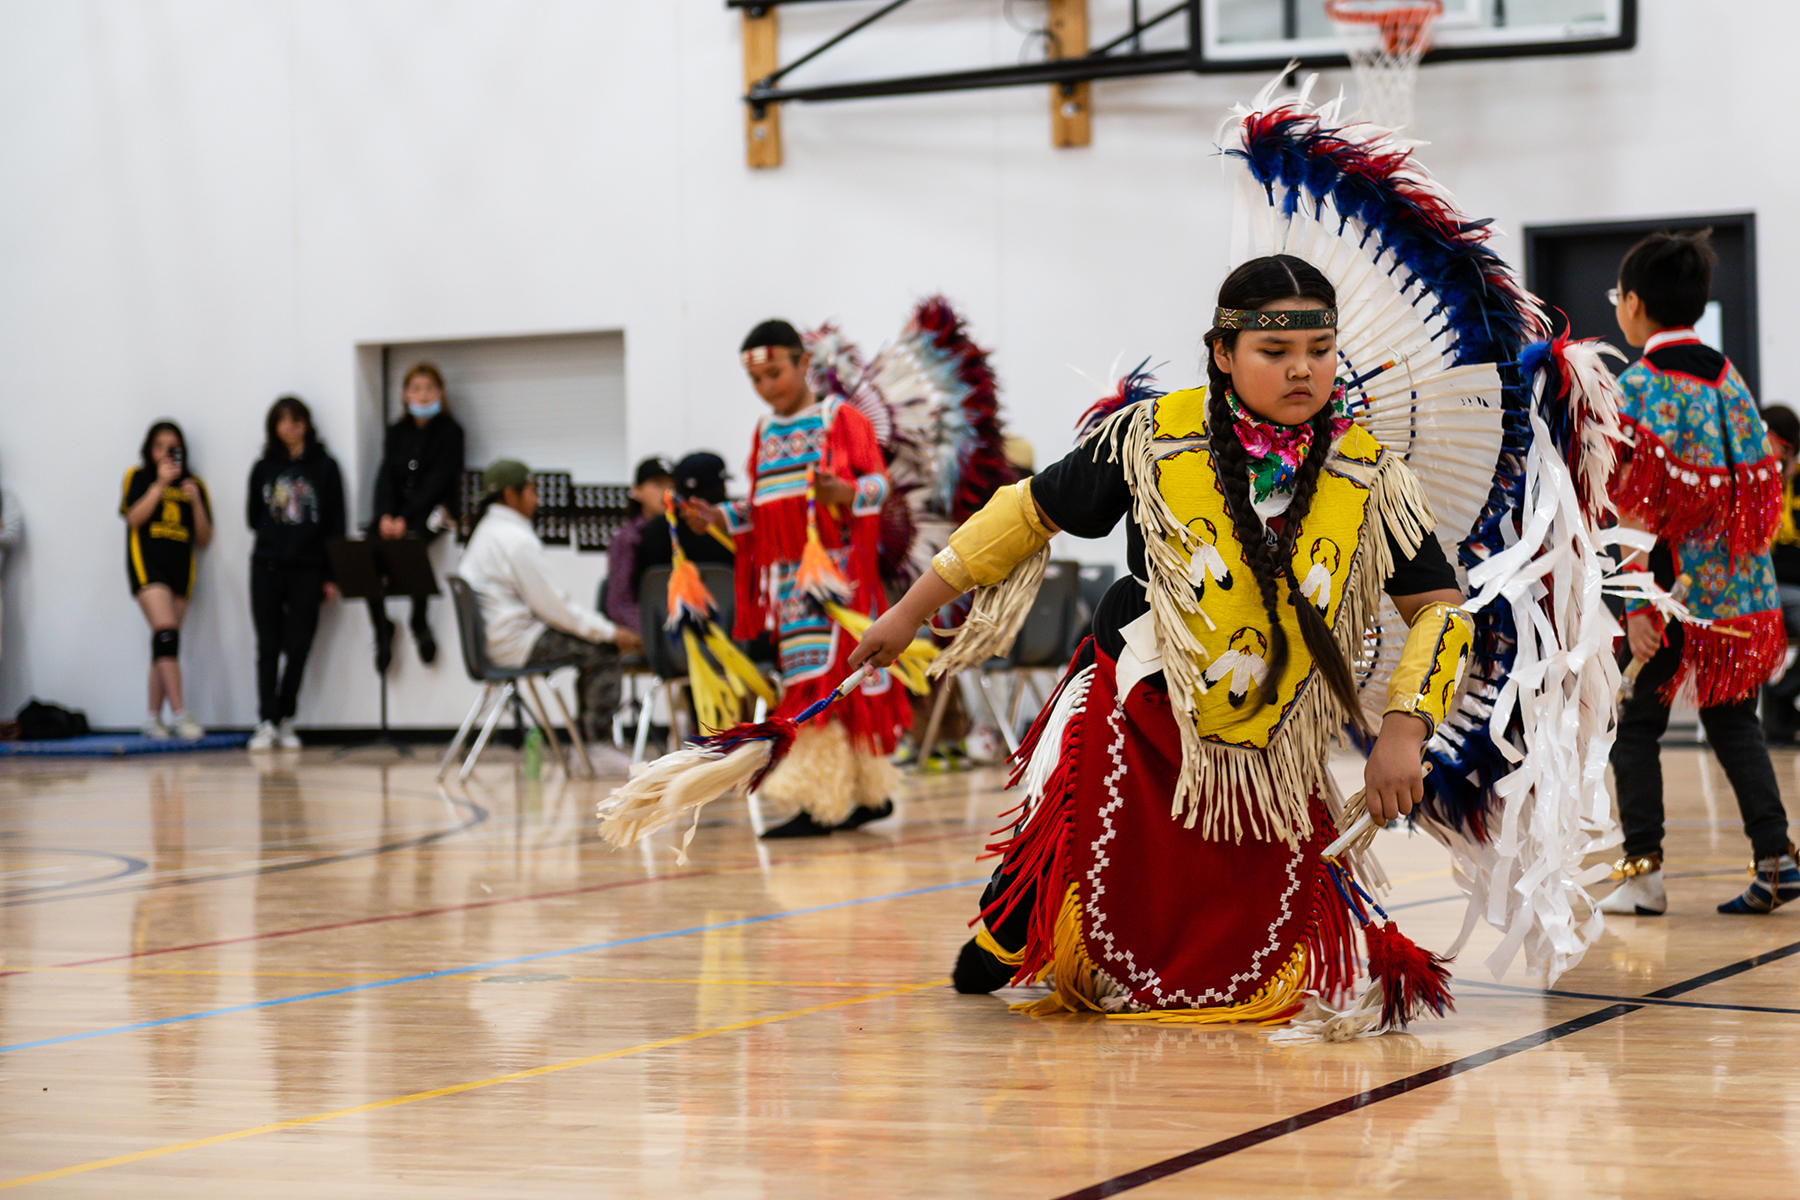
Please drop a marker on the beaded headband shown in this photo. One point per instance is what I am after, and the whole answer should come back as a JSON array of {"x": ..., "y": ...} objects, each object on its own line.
[
  {"x": 756, "y": 356},
  {"x": 1284, "y": 318}
]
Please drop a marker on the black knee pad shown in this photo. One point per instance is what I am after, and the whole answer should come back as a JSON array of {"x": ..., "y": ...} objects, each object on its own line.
[{"x": 165, "y": 643}]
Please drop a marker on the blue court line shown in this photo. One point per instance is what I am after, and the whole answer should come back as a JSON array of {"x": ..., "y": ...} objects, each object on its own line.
[{"x": 487, "y": 966}]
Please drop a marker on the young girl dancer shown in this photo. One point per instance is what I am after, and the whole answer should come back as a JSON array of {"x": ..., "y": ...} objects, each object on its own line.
[{"x": 1170, "y": 862}]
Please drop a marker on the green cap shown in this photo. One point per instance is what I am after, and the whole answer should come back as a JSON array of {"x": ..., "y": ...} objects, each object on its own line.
[{"x": 504, "y": 473}]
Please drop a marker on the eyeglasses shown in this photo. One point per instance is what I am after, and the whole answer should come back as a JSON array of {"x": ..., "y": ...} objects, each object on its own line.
[{"x": 1612, "y": 296}]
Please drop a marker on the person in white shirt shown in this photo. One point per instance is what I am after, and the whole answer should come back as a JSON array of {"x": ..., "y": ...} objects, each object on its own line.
[{"x": 528, "y": 619}]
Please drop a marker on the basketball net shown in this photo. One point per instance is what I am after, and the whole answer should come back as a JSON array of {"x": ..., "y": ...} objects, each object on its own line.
[{"x": 1384, "y": 39}]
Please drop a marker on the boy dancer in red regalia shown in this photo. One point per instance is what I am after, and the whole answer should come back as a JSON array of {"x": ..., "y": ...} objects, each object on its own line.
[{"x": 838, "y": 775}]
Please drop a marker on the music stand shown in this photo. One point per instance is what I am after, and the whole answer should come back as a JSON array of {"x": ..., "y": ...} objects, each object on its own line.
[{"x": 375, "y": 569}]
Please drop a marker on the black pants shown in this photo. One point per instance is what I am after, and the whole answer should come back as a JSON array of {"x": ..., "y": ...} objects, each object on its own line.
[
  {"x": 421, "y": 619},
  {"x": 1736, "y": 737},
  {"x": 284, "y": 605}
]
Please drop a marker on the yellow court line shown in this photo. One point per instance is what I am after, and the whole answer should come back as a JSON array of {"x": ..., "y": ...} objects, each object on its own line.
[
  {"x": 456, "y": 1088},
  {"x": 798, "y": 983}
]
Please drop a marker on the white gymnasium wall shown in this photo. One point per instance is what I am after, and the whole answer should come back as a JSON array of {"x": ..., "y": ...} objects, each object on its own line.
[{"x": 210, "y": 202}]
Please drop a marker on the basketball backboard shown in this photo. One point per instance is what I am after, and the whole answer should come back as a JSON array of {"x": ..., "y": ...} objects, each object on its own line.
[{"x": 1265, "y": 34}]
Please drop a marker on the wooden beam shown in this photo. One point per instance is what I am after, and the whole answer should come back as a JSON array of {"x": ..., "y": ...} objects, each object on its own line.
[
  {"x": 1069, "y": 111},
  {"x": 762, "y": 134}
]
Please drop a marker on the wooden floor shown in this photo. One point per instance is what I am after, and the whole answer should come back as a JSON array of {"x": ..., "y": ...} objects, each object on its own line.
[{"x": 232, "y": 978}]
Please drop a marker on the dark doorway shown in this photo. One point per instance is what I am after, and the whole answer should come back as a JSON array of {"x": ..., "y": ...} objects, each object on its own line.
[{"x": 1571, "y": 266}]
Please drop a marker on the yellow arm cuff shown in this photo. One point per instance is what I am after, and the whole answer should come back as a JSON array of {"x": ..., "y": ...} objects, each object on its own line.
[
  {"x": 987, "y": 546},
  {"x": 1432, "y": 663}
]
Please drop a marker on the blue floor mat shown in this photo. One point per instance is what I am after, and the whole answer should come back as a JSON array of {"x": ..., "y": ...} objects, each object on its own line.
[{"x": 114, "y": 745}]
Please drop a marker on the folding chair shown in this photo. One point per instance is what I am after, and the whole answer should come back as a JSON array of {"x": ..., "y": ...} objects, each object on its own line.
[
  {"x": 1043, "y": 644},
  {"x": 503, "y": 686}
]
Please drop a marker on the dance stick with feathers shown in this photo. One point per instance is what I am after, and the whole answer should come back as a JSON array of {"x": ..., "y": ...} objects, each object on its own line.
[
  {"x": 736, "y": 760},
  {"x": 1411, "y": 978},
  {"x": 728, "y": 763},
  {"x": 820, "y": 579}
]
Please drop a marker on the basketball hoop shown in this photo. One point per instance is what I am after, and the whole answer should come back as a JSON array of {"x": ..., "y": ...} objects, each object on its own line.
[{"x": 1384, "y": 39}]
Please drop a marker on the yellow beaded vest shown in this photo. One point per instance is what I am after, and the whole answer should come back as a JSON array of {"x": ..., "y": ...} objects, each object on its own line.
[{"x": 1247, "y": 769}]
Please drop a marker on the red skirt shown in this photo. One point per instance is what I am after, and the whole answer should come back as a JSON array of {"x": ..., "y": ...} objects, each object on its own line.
[{"x": 1133, "y": 913}]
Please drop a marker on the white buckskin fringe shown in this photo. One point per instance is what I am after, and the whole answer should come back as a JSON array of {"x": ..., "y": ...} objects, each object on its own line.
[
  {"x": 687, "y": 779},
  {"x": 994, "y": 620},
  {"x": 1317, "y": 1021}
]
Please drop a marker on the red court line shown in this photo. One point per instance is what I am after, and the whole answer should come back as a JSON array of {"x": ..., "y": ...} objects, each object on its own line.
[{"x": 475, "y": 904}]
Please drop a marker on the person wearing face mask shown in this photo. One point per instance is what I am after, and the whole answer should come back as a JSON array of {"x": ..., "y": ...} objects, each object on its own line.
[{"x": 417, "y": 493}]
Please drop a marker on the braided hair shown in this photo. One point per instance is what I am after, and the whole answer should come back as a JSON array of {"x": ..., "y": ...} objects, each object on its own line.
[{"x": 1257, "y": 283}]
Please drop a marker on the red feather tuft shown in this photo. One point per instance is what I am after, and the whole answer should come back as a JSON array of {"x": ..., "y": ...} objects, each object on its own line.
[
  {"x": 1412, "y": 979},
  {"x": 780, "y": 731},
  {"x": 1137, "y": 385}
]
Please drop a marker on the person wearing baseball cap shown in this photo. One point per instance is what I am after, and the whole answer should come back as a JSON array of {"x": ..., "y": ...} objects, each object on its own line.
[
  {"x": 528, "y": 619},
  {"x": 698, "y": 476},
  {"x": 701, "y": 474}
]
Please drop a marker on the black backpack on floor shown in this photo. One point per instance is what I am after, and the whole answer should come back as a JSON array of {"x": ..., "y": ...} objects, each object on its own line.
[{"x": 41, "y": 722}]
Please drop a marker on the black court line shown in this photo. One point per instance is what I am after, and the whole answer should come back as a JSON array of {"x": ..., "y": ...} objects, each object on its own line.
[
  {"x": 1400, "y": 1087},
  {"x": 1725, "y": 972},
  {"x": 127, "y": 866},
  {"x": 476, "y": 815},
  {"x": 1560, "y": 994}
]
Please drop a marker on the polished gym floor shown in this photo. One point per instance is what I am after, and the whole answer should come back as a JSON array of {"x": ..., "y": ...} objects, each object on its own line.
[{"x": 297, "y": 976}]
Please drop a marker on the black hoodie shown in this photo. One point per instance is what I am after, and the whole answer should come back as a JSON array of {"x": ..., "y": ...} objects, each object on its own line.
[
  {"x": 421, "y": 468},
  {"x": 294, "y": 505}
]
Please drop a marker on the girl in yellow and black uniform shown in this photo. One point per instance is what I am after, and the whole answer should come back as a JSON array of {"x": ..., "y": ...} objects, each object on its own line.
[{"x": 167, "y": 517}]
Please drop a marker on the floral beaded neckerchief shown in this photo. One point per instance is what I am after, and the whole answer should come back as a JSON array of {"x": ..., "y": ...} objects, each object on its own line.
[{"x": 1276, "y": 451}]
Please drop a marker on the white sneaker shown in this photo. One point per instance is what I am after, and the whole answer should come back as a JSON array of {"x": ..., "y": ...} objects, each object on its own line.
[
  {"x": 285, "y": 735},
  {"x": 188, "y": 729},
  {"x": 154, "y": 729},
  {"x": 1638, "y": 896},
  {"x": 264, "y": 737}
]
